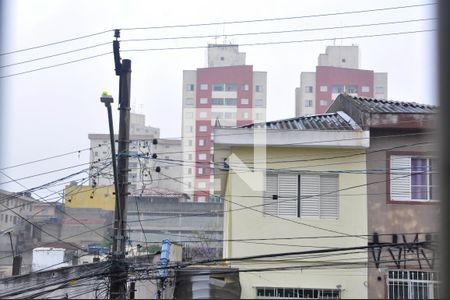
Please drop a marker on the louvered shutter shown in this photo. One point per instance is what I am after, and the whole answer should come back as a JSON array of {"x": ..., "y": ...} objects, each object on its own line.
[
  {"x": 400, "y": 177},
  {"x": 288, "y": 190},
  {"x": 329, "y": 204},
  {"x": 309, "y": 199},
  {"x": 270, "y": 205}
]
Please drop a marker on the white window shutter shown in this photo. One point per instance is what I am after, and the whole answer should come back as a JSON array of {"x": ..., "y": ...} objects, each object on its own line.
[
  {"x": 309, "y": 195},
  {"x": 329, "y": 204},
  {"x": 400, "y": 172},
  {"x": 288, "y": 191},
  {"x": 271, "y": 205}
]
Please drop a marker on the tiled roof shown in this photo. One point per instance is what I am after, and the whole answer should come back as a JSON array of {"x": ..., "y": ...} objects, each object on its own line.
[
  {"x": 388, "y": 106},
  {"x": 330, "y": 121}
]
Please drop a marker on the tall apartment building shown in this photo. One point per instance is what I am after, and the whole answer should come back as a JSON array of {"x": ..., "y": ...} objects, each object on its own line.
[
  {"x": 142, "y": 166},
  {"x": 225, "y": 93},
  {"x": 338, "y": 71}
]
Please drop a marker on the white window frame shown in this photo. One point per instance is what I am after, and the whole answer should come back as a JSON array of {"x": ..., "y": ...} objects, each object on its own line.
[
  {"x": 324, "y": 88},
  {"x": 189, "y": 101},
  {"x": 404, "y": 284},
  {"x": 258, "y": 88},
  {"x": 324, "y": 102},
  {"x": 203, "y": 128},
  {"x": 365, "y": 89},
  {"x": 202, "y": 156},
  {"x": 317, "y": 195},
  {"x": 203, "y": 115},
  {"x": 190, "y": 87},
  {"x": 204, "y": 86},
  {"x": 296, "y": 293},
  {"x": 203, "y": 100},
  {"x": 400, "y": 167},
  {"x": 201, "y": 142},
  {"x": 244, "y": 101}
]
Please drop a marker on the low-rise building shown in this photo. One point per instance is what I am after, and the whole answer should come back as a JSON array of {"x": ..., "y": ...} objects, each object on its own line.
[
  {"x": 403, "y": 196},
  {"x": 304, "y": 193}
]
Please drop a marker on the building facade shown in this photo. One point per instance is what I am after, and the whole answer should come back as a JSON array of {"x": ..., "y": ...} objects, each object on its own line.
[
  {"x": 306, "y": 204},
  {"x": 402, "y": 195},
  {"x": 225, "y": 93},
  {"x": 338, "y": 71},
  {"x": 142, "y": 164}
]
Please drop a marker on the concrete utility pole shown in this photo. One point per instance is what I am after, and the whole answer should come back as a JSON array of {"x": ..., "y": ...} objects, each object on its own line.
[{"x": 119, "y": 269}]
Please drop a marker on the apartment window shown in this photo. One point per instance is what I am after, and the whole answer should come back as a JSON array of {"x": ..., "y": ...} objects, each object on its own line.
[
  {"x": 189, "y": 115},
  {"x": 189, "y": 101},
  {"x": 190, "y": 87},
  {"x": 202, "y": 156},
  {"x": 259, "y": 102},
  {"x": 216, "y": 115},
  {"x": 316, "y": 195},
  {"x": 191, "y": 129},
  {"x": 203, "y": 128},
  {"x": 203, "y": 100},
  {"x": 189, "y": 171},
  {"x": 244, "y": 115},
  {"x": 230, "y": 115},
  {"x": 201, "y": 171},
  {"x": 96, "y": 153},
  {"x": 244, "y": 87},
  {"x": 201, "y": 199},
  {"x": 296, "y": 293},
  {"x": 189, "y": 143},
  {"x": 413, "y": 178},
  {"x": 351, "y": 89},
  {"x": 379, "y": 90},
  {"x": 244, "y": 101},
  {"x": 259, "y": 88},
  {"x": 337, "y": 89},
  {"x": 218, "y": 87},
  {"x": 204, "y": 86},
  {"x": 189, "y": 156},
  {"x": 230, "y": 101},
  {"x": 324, "y": 88},
  {"x": 201, "y": 185},
  {"x": 323, "y": 102},
  {"x": 217, "y": 101},
  {"x": 308, "y": 89},
  {"x": 201, "y": 142},
  {"x": 189, "y": 184},
  {"x": 365, "y": 89},
  {"x": 308, "y": 103},
  {"x": 230, "y": 87},
  {"x": 1, "y": 217},
  {"x": 409, "y": 284},
  {"x": 203, "y": 115}
]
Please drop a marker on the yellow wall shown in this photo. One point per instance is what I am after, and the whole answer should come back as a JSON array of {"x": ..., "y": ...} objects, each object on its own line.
[
  {"x": 87, "y": 197},
  {"x": 252, "y": 223}
]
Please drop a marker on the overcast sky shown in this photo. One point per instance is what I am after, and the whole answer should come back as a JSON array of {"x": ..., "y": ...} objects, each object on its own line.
[{"x": 52, "y": 111}]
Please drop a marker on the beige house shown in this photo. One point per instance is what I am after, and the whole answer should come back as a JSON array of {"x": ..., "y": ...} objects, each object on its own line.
[{"x": 295, "y": 185}]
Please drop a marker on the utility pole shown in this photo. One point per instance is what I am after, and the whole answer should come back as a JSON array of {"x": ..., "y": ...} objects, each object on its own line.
[
  {"x": 119, "y": 269},
  {"x": 17, "y": 259}
]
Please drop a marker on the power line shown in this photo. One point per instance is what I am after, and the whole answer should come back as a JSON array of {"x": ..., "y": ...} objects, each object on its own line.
[
  {"x": 277, "y": 32},
  {"x": 55, "y": 43},
  {"x": 51, "y": 157},
  {"x": 242, "y": 44},
  {"x": 54, "y": 55},
  {"x": 282, "y": 18},
  {"x": 287, "y": 42},
  {"x": 57, "y": 65}
]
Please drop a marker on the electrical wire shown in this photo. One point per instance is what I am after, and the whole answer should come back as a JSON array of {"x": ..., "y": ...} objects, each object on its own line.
[{"x": 281, "y": 18}]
